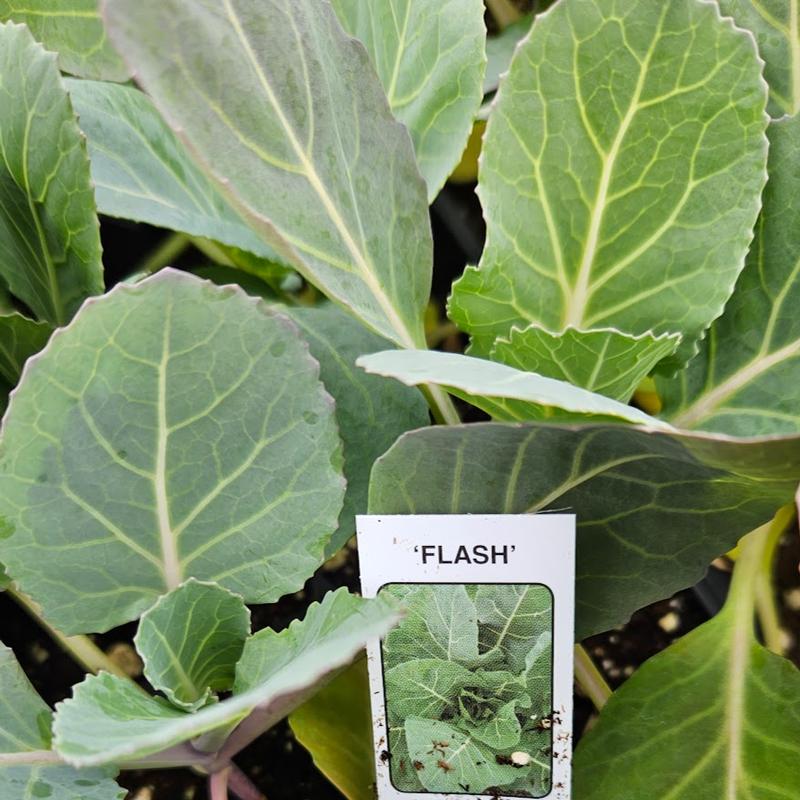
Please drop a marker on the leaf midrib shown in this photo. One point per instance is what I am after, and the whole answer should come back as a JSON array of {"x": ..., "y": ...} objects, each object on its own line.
[{"x": 364, "y": 267}]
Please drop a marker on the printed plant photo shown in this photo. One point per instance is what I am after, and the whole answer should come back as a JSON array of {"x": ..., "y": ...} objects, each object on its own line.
[{"x": 468, "y": 676}]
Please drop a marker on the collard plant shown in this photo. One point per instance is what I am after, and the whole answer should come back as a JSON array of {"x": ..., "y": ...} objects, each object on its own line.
[
  {"x": 468, "y": 675},
  {"x": 174, "y": 450}
]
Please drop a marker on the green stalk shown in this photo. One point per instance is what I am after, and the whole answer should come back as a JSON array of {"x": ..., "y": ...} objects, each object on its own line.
[
  {"x": 81, "y": 648},
  {"x": 590, "y": 679},
  {"x": 167, "y": 251}
]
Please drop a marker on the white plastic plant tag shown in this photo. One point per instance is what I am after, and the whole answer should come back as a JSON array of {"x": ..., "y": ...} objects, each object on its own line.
[{"x": 472, "y": 691}]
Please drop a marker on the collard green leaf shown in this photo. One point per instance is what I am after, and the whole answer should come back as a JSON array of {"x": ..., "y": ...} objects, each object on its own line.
[
  {"x": 512, "y": 621},
  {"x": 142, "y": 171},
  {"x": 20, "y": 338},
  {"x": 425, "y": 687},
  {"x": 50, "y": 254},
  {"x": 430, "y": 59},
  {"x": 506, "y": 393},
  {"x": 286, "y": 112},
  {"x": 73, "y": 29},
  {"x": 335, "y": 726},
  {"x": 28, "y": 769},
  {"x": 500, "y": 50},
  {"x": 774, "y": 23},
  {"x": 371, "y": 411},
  {"x": 744, "y": 381},
  {"x": 607, "y": 361},
  {"x": 109, "y": 720},
  {"x": 621, "y": 173},
  {"x": 441, "y": 623},
  {"x": 175, "y": 429},
  {"x": 654, "y": 508},
  {"x": 190, "y": 641},
  {"x": 468, "y": 762},
  {"x": 716, "y": 716}
]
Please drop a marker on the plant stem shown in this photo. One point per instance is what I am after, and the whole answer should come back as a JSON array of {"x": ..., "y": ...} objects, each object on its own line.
[
  {"x": 590, "y": 679},
  {"x": 242, "y": 786},
  {"x": 218, "y": 784},
  {"x": 504, "y": 12},
  {"x": 167, "y": 251},
  {"x": 751, "y": 588},
  {"x": 444, "y": 412},
  {"x": 81, "y": 648}
]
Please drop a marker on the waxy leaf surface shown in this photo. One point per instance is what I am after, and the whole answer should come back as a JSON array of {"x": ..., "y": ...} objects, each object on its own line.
[
  {"x": 716, "y": 715},
  {"x": 74, "y": 30},
  {"x": 654, "y": 508},
  {"x": 430, "y": 59},
  {"x": 776, "y": 26},
  {"x": 50, "y": 256},
  {"x": 371, "y": 411},
  {"x": 109, "y": 720},
  {"x": 142, "y": 171},
  {"x": 190, "y": 641},
  {"x": 285, "y": 111},
  {"x": 621, "y": 173},
  {"x": 506, "y": 393},
  {"x": 28, "y": 769},
  {"x": 744, "y": 380},
  {"x": 175, "y": 429},
  {"x": 604, "y": 361}
]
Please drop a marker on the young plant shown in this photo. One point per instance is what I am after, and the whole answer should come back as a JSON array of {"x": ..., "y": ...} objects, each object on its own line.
[{"x": 174, "y": 452}]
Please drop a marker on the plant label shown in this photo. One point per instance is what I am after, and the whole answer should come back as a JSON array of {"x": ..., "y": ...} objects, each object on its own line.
[{"x": 472, "y": 691}]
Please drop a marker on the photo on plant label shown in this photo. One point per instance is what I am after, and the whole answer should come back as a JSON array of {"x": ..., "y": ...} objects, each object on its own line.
[{"x": 468, "y": 678}]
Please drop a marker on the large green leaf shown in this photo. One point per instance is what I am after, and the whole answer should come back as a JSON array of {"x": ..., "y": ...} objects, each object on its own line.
[
  {"x": 500, "y": 50},
  {"x": 74, "y": 30},
  {"x": 467, "y": 762},
  {"x": 335, "y": 726},
  {"x": 190, "y": 641},
  {"x": 371, "y": 411},
  {"x": 441, "y": 623},
  {"x": 621, "y": 173},
  {"x": 604, "y": 361},
  {"x": 109, "y": 720},
  {"x": 175, "y": 429},
  {"x": 28, "y": 769},
  {"x": 430, "y": 59},
  {"x": 776, "y": 26},
  {"x": 715, "y": 716},
  {"x": 142, "y": 171},
  {"x": 654, "y": 508},
  {"x": 287, "y": 114},
  {"x": 50, "y": 255},
  {"x": 744, "y": 381},
  {"x": 504, "y": 392}
]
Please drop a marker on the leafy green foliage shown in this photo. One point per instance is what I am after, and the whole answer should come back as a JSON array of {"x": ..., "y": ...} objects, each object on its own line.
[
  {"x": 50, "y": 255},
  {"x": 504, "y": 392},
  {"x": 371, "y": 412},
  {"x": 141, "y": 170},
  {"x": 190, "y": 641},
  {"x": 74, "y": 30},
  {"x": 300, "y": 156},
  {"x": 775, "y": 26},
  {"x": 621, "y": 172},
  {"x": 467, "y": 676},
  {"x": 158, "y": 437},
  {"x": 742, "y": 382},
  {"x": 715, "y": 716},
  {"x": 20, "y": 338},
  {"x": 654, "y": 508},
  {"x": 335, "y": 725},
  {"x": 430, "y": 59},
  {"x": 28, "y": 769},
  {"x": 108, "y": 720}
]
